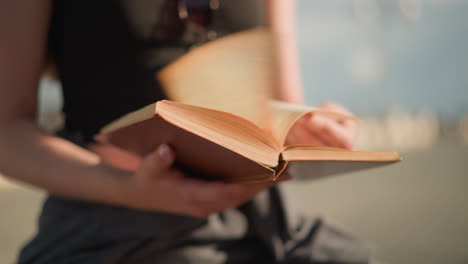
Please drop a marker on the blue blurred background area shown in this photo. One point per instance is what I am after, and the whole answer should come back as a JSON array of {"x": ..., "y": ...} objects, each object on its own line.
[
  {"x": 375, "y": 55},
  {"x": 400, "y": 65}
]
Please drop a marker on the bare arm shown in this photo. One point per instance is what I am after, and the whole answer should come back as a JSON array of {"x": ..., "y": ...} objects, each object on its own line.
[
  {"x": 312, "y": 130},
  {"x": 282, "y": 21},
  {"x": 26, "y": 152},
  {"x": 60, "y": 167}
]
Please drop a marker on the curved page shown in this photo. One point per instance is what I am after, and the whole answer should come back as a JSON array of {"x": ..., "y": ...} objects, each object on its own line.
[
  {"x": 232, "y": 132},
  {"x": 232, "y": 74}
]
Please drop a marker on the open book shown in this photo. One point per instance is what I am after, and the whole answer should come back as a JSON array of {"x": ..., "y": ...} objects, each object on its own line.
[{"x": 224, "y": 146}]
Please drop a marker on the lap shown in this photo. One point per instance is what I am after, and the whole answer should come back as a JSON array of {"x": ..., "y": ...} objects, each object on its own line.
[{"x": 265, "y": 229}]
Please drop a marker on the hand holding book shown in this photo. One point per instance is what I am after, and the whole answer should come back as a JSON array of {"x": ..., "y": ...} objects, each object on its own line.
[
  {"x": 157, "y": 185},
  {"x": 319, "y": 130}
]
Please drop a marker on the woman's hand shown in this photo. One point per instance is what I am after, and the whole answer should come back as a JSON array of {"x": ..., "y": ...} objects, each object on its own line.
[
  {"x": 320, "y": 130},
  {"x": 155, "y": 185}
]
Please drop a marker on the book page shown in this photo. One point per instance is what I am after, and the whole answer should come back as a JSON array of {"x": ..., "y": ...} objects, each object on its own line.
[
  {"x": 232, "y": 74},
  {"x": 232, "y": 132},
  {"x": 139, "y": 115},
  {"x": 306, "y": 153}
]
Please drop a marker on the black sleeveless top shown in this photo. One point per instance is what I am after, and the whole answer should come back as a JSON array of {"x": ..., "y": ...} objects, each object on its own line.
[{"x": 106, "y": 54}]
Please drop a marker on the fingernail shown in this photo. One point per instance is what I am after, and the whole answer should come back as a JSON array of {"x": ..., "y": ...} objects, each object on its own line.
[{"x": 164, "y": 153}]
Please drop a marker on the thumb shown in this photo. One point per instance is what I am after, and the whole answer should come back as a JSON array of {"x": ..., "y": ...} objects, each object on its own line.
[{"x": 160, "y": 159}]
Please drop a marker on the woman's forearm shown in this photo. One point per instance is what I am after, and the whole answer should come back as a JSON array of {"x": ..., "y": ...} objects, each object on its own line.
[
  {"x": 282, "y": 22},
  {"x": 27, "y": 153},
  {"x": 60, "y": 167}
]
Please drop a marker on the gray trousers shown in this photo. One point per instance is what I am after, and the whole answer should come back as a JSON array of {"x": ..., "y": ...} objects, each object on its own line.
[{"x": 265, "y": 230}]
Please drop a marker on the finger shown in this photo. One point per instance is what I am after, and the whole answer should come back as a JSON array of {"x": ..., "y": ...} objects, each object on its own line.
[
  {"x": 331, "y": 132},
  {"x": 335, "y": 108},
  {"x": 301, "y": 135},
  {"x": 208, "y": 197},
  {"x": 347, "y": 124},
  {"x": 238, "y": 195},
  {"x": 219, "y": 191},
  {"x": 202, "y": 198},
  {"x": 160, "y": 159},
  {"x": 341, "y": 110},
  {"x": 116, "y": 157},
  {"x": 241, "y": 193}
]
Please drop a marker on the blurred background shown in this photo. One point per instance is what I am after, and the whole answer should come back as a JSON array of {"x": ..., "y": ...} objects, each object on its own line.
[{"x": 402, "y": 66}]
